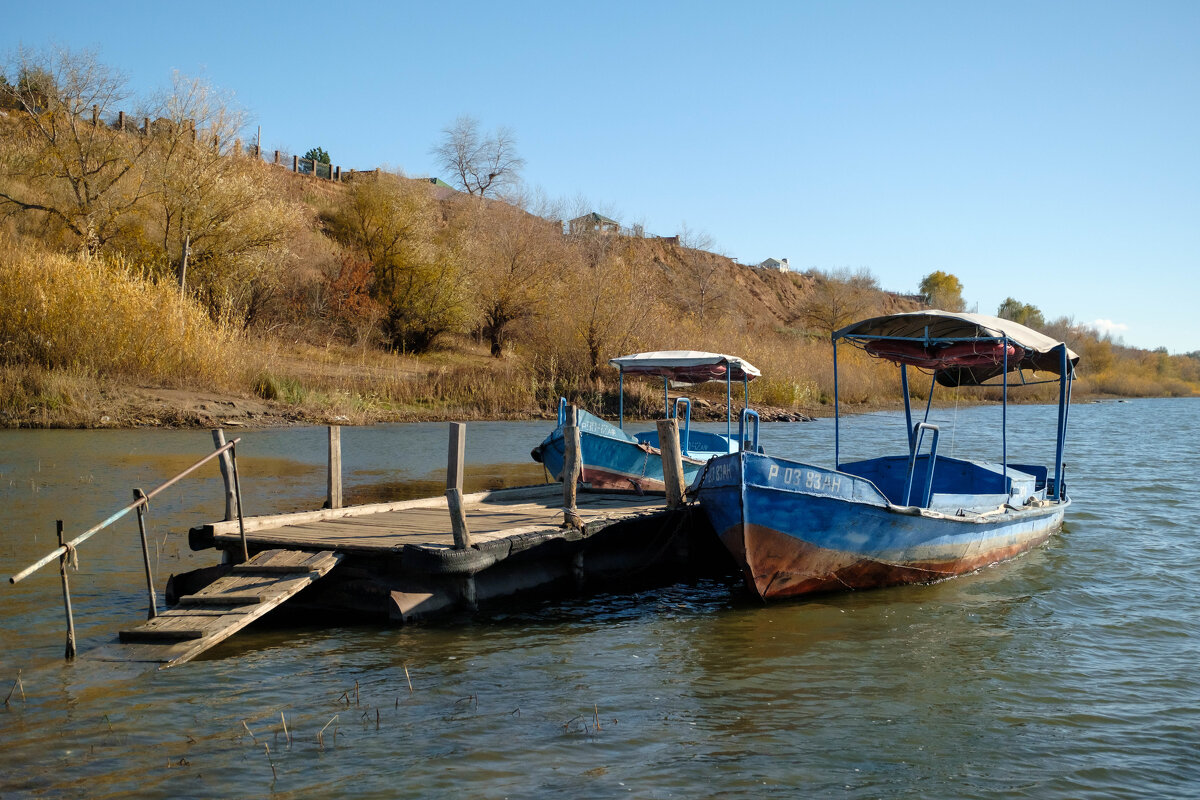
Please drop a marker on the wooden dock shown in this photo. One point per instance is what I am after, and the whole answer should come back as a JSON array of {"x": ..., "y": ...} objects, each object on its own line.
[
  {"x": 403, "y": 561},
  {"x": 399, "y": 561}
]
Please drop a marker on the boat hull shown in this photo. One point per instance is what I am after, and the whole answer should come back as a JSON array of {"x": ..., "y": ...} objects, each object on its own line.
[
  {"x": 797, "y": 529},
  {"x": 611, "y": 460}
]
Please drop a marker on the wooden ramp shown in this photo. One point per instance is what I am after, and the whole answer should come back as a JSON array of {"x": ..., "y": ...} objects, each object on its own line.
[{"x": 229, "y": 604}]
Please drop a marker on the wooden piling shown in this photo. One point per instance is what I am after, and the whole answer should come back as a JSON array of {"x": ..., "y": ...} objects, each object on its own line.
[
  {"x": 458, "y": 519},
  {"x": 226, "y": 473},
  {"x": 334, "y": 483},
  {"x": 672, "y": 461},
  {"x": 66, "y": 587},
  {"x": 572, "y": 465},
  {"x": 138, "y": 494},
  {"x": 455, "y": 458}
]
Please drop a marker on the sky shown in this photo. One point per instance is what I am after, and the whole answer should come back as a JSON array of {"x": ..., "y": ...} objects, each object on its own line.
[{"x": 1046, "y": 151}]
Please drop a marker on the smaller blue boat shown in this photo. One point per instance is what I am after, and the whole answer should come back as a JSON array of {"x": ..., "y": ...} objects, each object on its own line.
[
  {"x": 614, "y": 459},
  {"x": 796, "y": 528}
]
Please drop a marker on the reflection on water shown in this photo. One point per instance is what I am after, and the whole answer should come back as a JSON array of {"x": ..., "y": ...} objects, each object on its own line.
[{"x": 1068, "y": 673}]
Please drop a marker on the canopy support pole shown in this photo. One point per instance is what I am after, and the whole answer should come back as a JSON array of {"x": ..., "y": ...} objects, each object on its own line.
[
  {"x": 1064, "y": 380},
  {"x": 837, "y": 421},
  {"x": 729, "y": 408},
  {"x": 907, "y": 405},
  {"x": 621, "y": 397},
  {"x": 1004, "y": 427}
]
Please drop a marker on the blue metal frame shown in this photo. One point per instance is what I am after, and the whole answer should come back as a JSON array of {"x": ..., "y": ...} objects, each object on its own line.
[{"x": 915, "y": 432}]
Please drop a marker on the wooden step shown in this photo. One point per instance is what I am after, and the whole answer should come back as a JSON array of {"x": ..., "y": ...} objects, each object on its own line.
[
  {"x": 218, "y": 599},
  {"x": 202, "y": 620},
  {"x": 159, "y": 635},
  {"x": 273, "y": 569}
]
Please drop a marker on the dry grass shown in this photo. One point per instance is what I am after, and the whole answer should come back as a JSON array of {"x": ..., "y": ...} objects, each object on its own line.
[{"x": 82, "y": 317}]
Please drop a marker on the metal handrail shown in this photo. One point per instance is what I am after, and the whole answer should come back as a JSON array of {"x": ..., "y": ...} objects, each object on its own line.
[
  {"x": 743, "y": 429},
  {"x": 918, "y": 437},
  {"x": 142, "y": 501},
  {"x": 685, "y": 438}
]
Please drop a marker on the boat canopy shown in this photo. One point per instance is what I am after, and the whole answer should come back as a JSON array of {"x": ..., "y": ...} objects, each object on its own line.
[
  {"x": 943, "y": 342},
  {"x": 687, "y": 366}
]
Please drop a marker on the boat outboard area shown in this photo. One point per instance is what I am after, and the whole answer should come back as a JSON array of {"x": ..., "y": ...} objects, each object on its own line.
[
  {"x": 615, "y": 459},
  {"x": 920, "y": 516}
]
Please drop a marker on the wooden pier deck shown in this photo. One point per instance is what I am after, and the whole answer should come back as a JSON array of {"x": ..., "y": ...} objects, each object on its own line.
[
  {"x": 499, "y": 521},
  {"x": 403, "y": 563}
]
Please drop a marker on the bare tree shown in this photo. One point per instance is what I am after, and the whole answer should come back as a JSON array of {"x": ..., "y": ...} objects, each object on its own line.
[
  {"x": 837, "y": 298},
  {"x": 479, "y": 162},
  {"x": 58, "y": 160}
]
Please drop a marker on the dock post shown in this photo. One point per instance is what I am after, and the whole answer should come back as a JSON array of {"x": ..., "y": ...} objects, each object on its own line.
[
  {"x": 226, "y": 472},
  {"x": 334, "y": 494},
  {"x": 139, "y": 495},
  {"x": 456, "y": 456},
  {"x": 237, "y": 489},
  {"x": 454, "y": 485},
  {"x": 66, "y": 587},
  {"x": 572, "y": 467},
  {"x": 672, "y": 461}
]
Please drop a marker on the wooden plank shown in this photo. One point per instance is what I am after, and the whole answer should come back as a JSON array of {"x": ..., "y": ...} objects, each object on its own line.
[{"x": 278, "y": 520}]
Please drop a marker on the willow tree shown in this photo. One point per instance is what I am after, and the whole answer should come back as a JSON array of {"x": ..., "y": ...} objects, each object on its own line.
[
  {"x": 942, "y": 290},
  {"x": 415, "y": 262}
]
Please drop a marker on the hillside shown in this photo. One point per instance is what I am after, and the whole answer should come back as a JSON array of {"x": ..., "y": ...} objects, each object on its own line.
[{"x": 162, "y": 275}]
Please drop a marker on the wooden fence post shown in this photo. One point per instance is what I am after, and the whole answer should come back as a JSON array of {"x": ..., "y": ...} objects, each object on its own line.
[
  {"x": 333, "y": 498},
  {"x": 66, "y": 587},
  {"x": 276, "y": 156},
  {"x": 226, "y": 472},
  {"x": 121, "y": 120},
  {"x": 672, "y": 461},
  {"x": 338, "y": 177},
  {"x": 455, "y": 458},
  {"x": 295, "y": 163}
]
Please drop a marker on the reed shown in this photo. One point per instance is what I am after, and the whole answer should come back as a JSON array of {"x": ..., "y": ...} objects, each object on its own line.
[{"x": 98, "y": 319}]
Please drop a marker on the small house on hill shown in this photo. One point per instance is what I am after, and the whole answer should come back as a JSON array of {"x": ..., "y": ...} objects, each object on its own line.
[
  {"x": 593, "y": 223},
  {"x": 778, "y": 264}
]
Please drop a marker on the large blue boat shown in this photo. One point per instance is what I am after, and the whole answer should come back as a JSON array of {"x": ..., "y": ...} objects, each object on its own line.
[
  {"x": 796, "y": 528},
  {"x": 614, "y": 459}
]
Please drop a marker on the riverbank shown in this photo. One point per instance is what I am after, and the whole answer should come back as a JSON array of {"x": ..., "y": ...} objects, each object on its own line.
[{"x": 132, "y": 407}]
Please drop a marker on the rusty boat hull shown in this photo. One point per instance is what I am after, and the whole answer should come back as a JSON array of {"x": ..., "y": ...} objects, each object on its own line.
[{"x": 797, "y": 529}]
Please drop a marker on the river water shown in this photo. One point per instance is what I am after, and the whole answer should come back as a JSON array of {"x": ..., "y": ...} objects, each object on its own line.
[{"x": 1071, "y": 672}]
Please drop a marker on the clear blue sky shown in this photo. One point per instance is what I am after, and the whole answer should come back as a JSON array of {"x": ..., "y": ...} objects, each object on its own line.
[{"x": 1045, "y": 150}]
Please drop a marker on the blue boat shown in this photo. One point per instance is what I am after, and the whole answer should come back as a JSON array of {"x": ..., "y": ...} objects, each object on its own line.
[
  {"x": 614, "y": 459},
  {"x": 796, "y": 528}
]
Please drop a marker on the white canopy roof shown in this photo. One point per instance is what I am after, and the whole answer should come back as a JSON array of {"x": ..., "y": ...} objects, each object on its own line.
[{"x": 687, "y": 366}]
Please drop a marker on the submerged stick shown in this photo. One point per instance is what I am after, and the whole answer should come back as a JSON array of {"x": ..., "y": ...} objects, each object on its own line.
[
  {"x": 18, "y": 685},
  {"x": 286, "y": 735},
  {"x": 247, "y": 727},
  {"x": 274, "y": 775},
  {"x": 410, "y": 689}
]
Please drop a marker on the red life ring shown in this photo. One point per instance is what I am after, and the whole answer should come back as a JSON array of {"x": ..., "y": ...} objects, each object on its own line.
[{"x": 958, "y": 354}]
